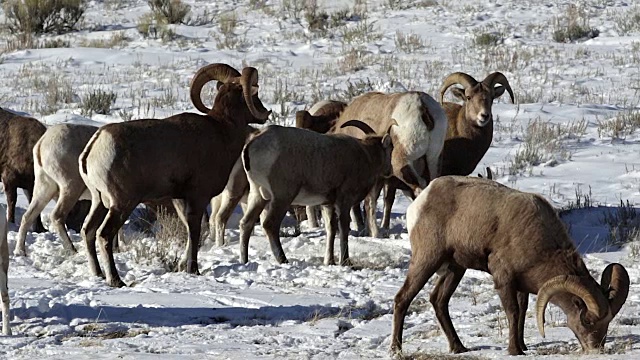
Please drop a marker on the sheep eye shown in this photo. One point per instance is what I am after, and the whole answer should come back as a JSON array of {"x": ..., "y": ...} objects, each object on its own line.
[{"x": 468, "y": 98}]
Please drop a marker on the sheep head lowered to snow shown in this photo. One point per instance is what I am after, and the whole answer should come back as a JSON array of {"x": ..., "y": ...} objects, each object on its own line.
[
  {"x": 461, "y": 223},
  {"x": 186, "y": 157}
]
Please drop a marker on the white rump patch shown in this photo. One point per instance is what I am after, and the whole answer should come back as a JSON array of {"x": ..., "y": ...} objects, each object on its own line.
[
  {"x": 414, "y": 209},
  {"x": 411, "y": 131}
]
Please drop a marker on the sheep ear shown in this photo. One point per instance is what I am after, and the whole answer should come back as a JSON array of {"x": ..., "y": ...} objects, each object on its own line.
[
  {"x": 219, "y": 85},
  {"x": 459, "y": 93},
  {"x": 498, "y": 91},
  {"x": 386, "y": 141}
]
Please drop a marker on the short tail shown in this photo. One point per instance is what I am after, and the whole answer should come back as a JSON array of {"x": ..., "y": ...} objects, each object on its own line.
[
  {"x": 245, "y": 158},
  {"x": 37, "y": 154},
  {"x": 86, "y": 151}
]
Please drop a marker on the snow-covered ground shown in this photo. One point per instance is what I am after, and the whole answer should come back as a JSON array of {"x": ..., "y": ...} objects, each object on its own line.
[{"x": 575, "y": 120}]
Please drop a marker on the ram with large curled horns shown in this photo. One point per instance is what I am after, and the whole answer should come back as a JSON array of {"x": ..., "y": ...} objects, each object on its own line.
[
  {"x": 186, "y": 157},
  {"x": 469, "y": 132},
  {"x": 461, "y": 223}
]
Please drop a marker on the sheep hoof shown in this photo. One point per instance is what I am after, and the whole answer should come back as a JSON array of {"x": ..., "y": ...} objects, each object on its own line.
[
  {"x": 459, "y": 348},
  {"x": 346, "y": 262},
  {"x": 19, "y": 252},
  {"x": 116, "y": 283},
  {"x": 70, "y": 250},
  {"x": 330, "y": 262}
]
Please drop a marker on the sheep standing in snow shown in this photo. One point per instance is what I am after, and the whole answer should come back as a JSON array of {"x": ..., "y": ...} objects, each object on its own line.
[
  {"x": 288, "y": 166},
  {"x": 18, "y": 135},
  {"x": 461, "y": 223},
  {"x": 421, "y": 130},
  {"x": 185, "y": 157},
  {"x": 4, "y": 272},
  {"x": 470, "y": 129},
  {"x": 322, "y": 117},
  {"x": 56, "y": 175}
]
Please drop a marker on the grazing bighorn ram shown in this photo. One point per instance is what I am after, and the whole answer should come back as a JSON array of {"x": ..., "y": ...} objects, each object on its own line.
[
  {"x": 287, "y": 166},
  {"x": 461, "y": 223},
  {"x": 470, "y": 129},
  {"x": 18, "y": 135},
  {"x": 421, "y": 130},
  {"x": 185, "y": 157},
  {"x": 56, "y": 175},
  {"x": 4, "y": 272}
]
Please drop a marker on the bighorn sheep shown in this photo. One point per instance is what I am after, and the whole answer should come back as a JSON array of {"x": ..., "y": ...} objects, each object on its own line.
[
  {"x": 18, "y": 135},
  {"x": 186, "y": 157},
  {"x": 287, "y": 166},
  {"x": 461, "y": 223},
  {"x": 470, "y": 129},
  {"x": 325, "y": 113},
  {"x": 57, "y": 175},
  {"x": 321, "y": 118},
  {"x": 422, "y": 126},
  {"x": 470, "y": 124},
  {"x": 4, "y": 272}
]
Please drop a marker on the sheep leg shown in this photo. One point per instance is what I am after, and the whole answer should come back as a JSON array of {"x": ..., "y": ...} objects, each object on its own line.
[
  {"x": 370, "y": 206},
  {"x": 358, "y": 218},
  {"x": 312, "y": 219},
  {"x": 4, "y": 271},
  {"x": 389, "y": 198},
  {"x": 4, "y": 293},
  {"x": 66, "y": 201},
  {"x": 45, "y": 191},
  {"x": 227, "y": 204},
  {"x": 255, "y": 205},
  {"x": 11, "y": 192},
  {"x": 215, "y": 206},
  {"x": 509, "y": 298},
  {"x": 193, "y": 214},
  {"x": 106, "y": 233},
  {"x": 88, "y": 232},
  {"x": 344, "y": 222},
  {"x": 39, "y": 227},
  {"x": 523, "y": 304},
  {"x": 440, "y": 297},
  {"x": 276, "y": 211},
  {"x": 421, "y": 268},
  {"x": 328, "y": 215}
]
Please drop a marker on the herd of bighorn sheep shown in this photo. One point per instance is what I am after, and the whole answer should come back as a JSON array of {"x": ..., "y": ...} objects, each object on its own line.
[{"x": 338, "y": 155}]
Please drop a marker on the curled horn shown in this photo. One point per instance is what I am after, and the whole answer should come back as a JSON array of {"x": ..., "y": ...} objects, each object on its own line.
[
  {"x": 498, "y": 78},
  {"x": 615, "y": 284},
  {"x": 461, "y": 78},
  {"x": 220, "y": 72},
  {"x": 582, "y": 287},
  {"x": 360, "y": 125},
  {"x": 248, "y": 80}
]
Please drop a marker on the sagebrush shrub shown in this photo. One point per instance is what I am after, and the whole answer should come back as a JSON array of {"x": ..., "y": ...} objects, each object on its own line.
[
  {"x": 173, "y": 11},
  {"x": 43, "y": 16},
  {"x": 98, "y": 101}
]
